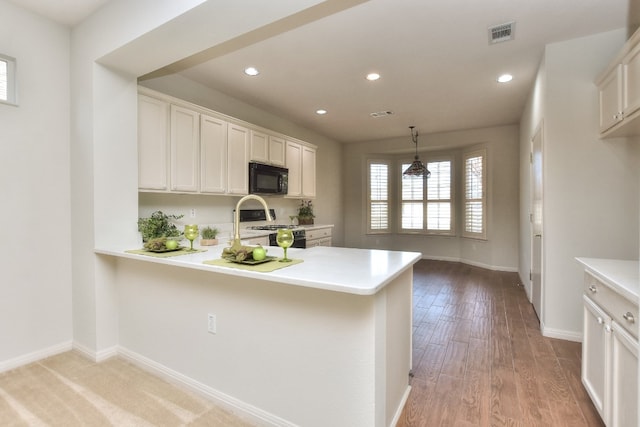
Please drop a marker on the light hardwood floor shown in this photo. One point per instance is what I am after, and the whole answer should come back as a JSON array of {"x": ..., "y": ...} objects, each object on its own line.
[{"x": 479, "y": 358}]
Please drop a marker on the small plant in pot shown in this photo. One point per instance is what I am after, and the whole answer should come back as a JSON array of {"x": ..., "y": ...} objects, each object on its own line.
[
  {"x": 158, "y": 225},
  {"x": 305, "y": 213},
  {"x": 209, "y": 235}
]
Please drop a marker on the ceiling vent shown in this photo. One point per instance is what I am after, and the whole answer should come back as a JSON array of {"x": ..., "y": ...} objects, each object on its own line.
[
  {"x": 381, "y": 113},
  {"x": 502, "y": 33}
]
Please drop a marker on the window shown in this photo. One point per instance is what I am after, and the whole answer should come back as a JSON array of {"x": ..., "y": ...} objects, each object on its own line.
[
  {"x": 428, "y": 209},
  {"x": 378, "y": 197},
  {"x": 7, "y": 80},
  {"x": 475, "y": 223}
]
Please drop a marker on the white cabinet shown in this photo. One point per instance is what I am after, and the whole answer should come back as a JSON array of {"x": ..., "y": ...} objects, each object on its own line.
[
  {"x": 619, "y": 90},
  {"x": 318, "y": 237},
  {"x": 185, "y": 149},
  {"x": 213, "y": 155},
  {"x": 237, "y": 159},
  {"x": 267, "y": 149},
  {"x": 610, "y": 90},
  {"x": 153, "y": 144},
  {"x": 610, "y": 353},
  {"x": 301, "y": 162},
  {"x": 308, "y": 171}
]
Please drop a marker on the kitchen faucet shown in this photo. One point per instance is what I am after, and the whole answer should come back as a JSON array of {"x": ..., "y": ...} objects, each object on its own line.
[{"x": 236, "y": 215}]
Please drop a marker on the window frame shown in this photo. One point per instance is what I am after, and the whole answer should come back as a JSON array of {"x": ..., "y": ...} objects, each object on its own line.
[
  {"x": 388, "y": 229},
  {"x": 478, "y": 152},
  {"x": 425, "y": 201},
  {"x": 12, "y": 96}
]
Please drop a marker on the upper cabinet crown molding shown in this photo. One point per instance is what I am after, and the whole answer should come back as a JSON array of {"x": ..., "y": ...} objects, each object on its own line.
[{"x": 619, "y": 92}]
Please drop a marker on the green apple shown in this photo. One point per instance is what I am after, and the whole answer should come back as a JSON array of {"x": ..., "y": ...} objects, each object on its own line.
[
  {"x": 259, "y": 253},
  {"x": 171, "y": 244}
]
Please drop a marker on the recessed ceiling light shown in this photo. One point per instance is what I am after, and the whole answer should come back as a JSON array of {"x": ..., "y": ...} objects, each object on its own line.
[
  {"x": 373, "y": 76},
  {"x": 505, "y": 78},
  {"x": 251, "y": 71},
  {"x": 321, "y": 112}
]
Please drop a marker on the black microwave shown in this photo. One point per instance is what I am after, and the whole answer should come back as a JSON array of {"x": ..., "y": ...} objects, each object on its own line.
[{"x": 267, "y": 179}]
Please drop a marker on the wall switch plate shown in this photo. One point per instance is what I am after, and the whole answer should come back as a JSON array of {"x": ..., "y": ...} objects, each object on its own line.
[
  {"x": 211, "y": 323},
  {"x": 193, "y": 212}
]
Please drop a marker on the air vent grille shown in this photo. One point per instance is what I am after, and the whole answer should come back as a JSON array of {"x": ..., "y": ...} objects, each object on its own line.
[
  {"x": 381, "y": 113},
  {"x": 502, "y": 33}
]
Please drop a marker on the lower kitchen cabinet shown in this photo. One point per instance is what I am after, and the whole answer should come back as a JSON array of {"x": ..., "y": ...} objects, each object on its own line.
[
  {"x": 610, "y": 353},
  {"x": 318, "y": 237}
]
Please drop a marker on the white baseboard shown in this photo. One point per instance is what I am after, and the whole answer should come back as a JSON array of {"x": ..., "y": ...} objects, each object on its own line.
[
  {"x": 97, "y": 357},
  {"x": 238, "y": 407},
  {"x": 474, "y": 263},
  {"x": 35, "y": 356},
  {"x": 403, "y": 402},
  {"x": 560, "y": 334}
]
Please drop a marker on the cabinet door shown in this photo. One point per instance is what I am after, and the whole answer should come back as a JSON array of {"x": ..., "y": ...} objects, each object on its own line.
[
  {"x": 259, "y": 147},
  {"x": 277, "y": 150},
  {"x": 611, "y": 99},
  {"x": 595, "y": 350},
  {"x": 185, "y": 149},
  {"x": 308, "y": 172},
  {"x": 238, "y": 159},
  {"x": 294, "y": 164},
  {"x": 631, "y": 73},
  {"x": 624, "y": 378},
  {"x": 153, "y": 144},
  {"x": 213, "y": 155}
]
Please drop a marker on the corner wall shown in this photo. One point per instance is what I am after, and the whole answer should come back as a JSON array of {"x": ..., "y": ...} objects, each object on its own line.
[{"x": 35, "y": 293}]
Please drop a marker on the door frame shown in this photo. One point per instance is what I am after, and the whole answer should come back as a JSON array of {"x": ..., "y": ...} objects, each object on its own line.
[{"x": 533, "y": 233}]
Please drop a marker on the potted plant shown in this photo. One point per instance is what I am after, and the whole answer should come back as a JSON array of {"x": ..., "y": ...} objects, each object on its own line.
[
  {"x": 209, "y": 236},
  {"x": 158, "y": 225},
  {"x": 305, "y": 213}
]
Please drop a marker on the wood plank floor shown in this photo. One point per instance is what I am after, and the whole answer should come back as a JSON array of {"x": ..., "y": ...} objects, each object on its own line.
[{"x": 479, "y": 358}]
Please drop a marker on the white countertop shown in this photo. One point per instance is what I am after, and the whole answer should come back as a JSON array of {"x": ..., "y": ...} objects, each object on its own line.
[
  {"x": 623, "y": 276},
  {"x": 349, "y": 270}
]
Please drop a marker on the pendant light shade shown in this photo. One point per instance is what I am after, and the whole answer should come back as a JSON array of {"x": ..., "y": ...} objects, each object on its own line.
[{"x": 417, "y": 168}]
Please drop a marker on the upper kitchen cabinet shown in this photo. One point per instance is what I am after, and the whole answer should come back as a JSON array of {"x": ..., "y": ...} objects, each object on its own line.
[
  {"x": 213, "y": 155},
  {"x": 267, "y": 149},
  {"x": 301, "y": 162},
  {"x": 185, "y": 149},
  {"x": 619, "y": 89},
  {"x": 153, "y": 144},
  {"x": 238, "y": 159}
]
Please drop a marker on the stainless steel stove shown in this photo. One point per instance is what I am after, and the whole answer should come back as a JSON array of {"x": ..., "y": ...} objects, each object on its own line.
[{"x": 299, "y": 236}]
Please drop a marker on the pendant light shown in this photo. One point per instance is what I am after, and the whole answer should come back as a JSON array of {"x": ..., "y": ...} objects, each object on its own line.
[{"x": 417, "y": 168}]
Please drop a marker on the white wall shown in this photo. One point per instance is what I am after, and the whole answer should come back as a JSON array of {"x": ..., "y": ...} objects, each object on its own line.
[
  {"x": 499, "y": 251},
  {"x": 35, "y": 292},
  {"x": 590, "y": 185}
]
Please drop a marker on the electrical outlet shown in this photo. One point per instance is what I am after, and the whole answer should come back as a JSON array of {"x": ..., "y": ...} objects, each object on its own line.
[
  {"x": 211, "y": 323},
  {"x": 193, "y": 212}
]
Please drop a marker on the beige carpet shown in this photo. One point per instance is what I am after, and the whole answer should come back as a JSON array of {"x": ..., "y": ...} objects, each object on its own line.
[{"x": 69, "y": 390}]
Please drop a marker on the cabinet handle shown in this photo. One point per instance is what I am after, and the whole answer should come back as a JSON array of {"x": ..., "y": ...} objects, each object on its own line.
[
  {"x": 593, "y": 289},
  {"x": 600, "y": 320},
  {"x": 607, "y": 328},
  {"x": 629, "y": 317}
]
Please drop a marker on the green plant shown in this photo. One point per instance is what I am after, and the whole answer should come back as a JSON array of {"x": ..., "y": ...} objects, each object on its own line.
[
  {"x": 158, "y": 225},
  {"x": 209, "y": 233},
  {"x": 305, "y": 210}
]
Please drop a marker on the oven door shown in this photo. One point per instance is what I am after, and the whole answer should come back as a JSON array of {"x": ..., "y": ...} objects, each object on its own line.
[{"x": 299, "y": 239}]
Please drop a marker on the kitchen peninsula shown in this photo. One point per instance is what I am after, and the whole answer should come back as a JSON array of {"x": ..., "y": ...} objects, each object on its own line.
[{"x": 323, "y": 342}]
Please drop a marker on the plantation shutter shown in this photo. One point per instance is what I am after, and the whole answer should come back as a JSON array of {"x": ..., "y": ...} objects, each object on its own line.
[
  {"x": 474, "y": 219},
  {"x": 378, "y": 196},
  {"x": 412, "y": 206},
  {"x": 439, "y": 196},
  {"x": 4, "y": 80}
]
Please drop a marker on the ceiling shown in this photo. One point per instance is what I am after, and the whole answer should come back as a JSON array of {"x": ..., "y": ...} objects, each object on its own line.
[{"x": 438, "y": 69}]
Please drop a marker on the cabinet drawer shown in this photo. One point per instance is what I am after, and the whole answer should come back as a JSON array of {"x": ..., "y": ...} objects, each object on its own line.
[
  {"x": 318, "y": 233},
  {"x": 613, "y": 303}
]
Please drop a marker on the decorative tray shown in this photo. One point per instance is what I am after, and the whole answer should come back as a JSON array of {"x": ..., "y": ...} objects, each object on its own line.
[
  {"x": 254, "y": 262},
  {"x": 160, "y": 251}
]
